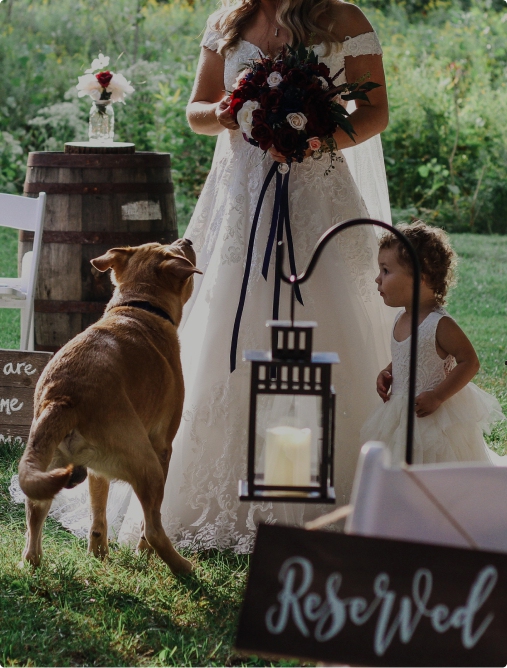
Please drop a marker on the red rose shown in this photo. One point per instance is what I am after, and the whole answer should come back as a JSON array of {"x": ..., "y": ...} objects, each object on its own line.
[
  {"x": 104, "y": 78},
  {"x": 297, "y": 77},
  {"x": 286, "y": 140},
  {"x": 247, "y": 91},
  {"x": 259, "y": 77},
  {"x": 271, "y": 99},
  {"x": 235, "y": 105},
  {"x": 263, "y": 134},
  {"x": 258, "y": 116}
]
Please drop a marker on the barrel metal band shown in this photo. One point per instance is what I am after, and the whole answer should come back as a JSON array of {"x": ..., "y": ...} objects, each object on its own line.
[
  {"x": 138, "y": 160},
  {"x": 97, "y": 188},
  {"x": 61, "y": 306},
  {"x": 106, "y": 238}
]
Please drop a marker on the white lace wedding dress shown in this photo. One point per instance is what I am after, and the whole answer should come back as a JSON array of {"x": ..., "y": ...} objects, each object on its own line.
[{"x": 201, "y": 508}]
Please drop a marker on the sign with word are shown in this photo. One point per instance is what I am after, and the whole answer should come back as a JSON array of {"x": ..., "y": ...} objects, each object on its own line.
[
  {"x": 19, "y": 373},
  {"x": 373, "y": 602}
]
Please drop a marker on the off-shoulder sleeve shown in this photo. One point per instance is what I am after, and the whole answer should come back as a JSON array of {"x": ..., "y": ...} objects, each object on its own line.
[
  {"x": 367, "y": 44},
  {"x": 211, "y": 38}
]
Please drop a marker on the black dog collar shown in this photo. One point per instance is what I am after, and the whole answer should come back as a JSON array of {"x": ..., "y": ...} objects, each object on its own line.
[{"x": 146, "y": 306}]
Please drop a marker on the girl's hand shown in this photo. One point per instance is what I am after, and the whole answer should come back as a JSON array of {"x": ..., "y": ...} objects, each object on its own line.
[
  {"x": 384, "y": 382},
  {"x": 224, "y": 116},
  {"x": 427, "y": 403}
]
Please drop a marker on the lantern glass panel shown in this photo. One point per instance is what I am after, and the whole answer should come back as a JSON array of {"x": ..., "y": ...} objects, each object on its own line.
[{"x": 288, "y": 439}]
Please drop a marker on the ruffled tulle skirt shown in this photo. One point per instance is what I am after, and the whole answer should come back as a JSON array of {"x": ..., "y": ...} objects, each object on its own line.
[{"x": 453, "y": 433}]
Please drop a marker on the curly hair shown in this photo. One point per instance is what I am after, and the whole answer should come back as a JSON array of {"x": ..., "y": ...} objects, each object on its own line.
[{"x": 436, "y": 257}]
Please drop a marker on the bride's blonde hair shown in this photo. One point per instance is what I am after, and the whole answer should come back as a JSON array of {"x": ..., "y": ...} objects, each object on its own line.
[{"x": 301, "y": 18}]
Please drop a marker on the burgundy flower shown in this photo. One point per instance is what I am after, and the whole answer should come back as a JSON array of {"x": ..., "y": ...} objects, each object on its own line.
[
  {"x": 297, "y": 77},
  {"x": 248, "y": 91},
  {"x": 104, "y": 78},
  {"x": 323, "y": 70},
  {"x": 259, "y": 77},
  {"x": 263, "y": 134},
  {"x": 258, "y": 116},
  {"x": 286, "y": 140},
  {"x": 271, "y": 99}
]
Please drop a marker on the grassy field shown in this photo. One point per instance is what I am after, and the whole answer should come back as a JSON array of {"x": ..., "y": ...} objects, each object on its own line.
[{"x": 76, "y": 610}]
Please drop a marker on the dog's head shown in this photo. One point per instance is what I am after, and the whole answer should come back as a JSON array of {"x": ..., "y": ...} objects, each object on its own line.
[{"x": 152, "y": 269}]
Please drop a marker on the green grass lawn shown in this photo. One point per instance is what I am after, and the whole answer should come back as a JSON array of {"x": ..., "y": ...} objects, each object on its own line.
[{"x": 128, "y": 611}]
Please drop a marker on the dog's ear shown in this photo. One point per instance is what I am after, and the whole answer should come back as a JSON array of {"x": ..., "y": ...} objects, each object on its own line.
[
  {"x": 180, "y": 267},
  {"x": 116, "y": 259}
]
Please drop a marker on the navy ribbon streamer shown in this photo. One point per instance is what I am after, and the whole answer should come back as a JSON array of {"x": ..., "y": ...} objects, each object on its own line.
[{"x": 279, "y": 220}]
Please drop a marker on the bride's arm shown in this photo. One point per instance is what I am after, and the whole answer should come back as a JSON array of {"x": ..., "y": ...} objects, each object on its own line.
[
  {"x": 208, "y": 108},
  {"x": 369, "y": 118}
]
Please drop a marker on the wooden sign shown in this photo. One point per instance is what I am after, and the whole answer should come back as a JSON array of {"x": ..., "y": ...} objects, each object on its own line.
[
  {"x": 373, "y": 602},
  {"x": 19, "y": 373}
]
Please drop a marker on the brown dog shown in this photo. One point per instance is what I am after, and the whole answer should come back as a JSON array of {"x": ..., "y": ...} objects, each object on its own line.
[{"x": 111, "y": 400}]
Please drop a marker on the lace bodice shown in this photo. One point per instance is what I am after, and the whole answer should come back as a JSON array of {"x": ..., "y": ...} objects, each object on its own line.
[
  {"x": 360, "y": 45},
  {"x": 431, "y": 368}
]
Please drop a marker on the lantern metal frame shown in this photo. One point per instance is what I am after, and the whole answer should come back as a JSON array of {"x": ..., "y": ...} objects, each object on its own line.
[
  {"x": 291, "y": 368},
  {"x": 250, "y": 489}
]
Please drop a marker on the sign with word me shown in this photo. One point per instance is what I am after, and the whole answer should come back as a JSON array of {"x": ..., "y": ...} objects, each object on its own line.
[
  {"x": 340, "y": 598},
  {"x": 19, "y": 373}
]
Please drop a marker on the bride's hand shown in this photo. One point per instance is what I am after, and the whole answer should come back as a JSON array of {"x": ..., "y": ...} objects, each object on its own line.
[
  {"x": 278, "y": 157},
  {"x": 224, "y": 116}
]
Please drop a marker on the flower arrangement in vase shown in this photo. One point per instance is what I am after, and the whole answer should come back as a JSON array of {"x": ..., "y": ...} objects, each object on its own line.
[{"x": 104, "y": 87}]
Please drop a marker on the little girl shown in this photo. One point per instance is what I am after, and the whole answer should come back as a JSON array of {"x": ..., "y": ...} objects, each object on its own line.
[{"x": 452, "y": 412}]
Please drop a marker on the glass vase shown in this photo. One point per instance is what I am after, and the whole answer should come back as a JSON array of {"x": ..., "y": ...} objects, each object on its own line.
[{"x": 101, "y": 125}]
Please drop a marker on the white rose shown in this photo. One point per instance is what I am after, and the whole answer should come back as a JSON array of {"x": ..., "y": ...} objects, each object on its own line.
[
  {"x": 319, "y": 49},
  {"x": 88, "y": 85},
  {"x": 274, "y": 79},
  {"x": 119, "y": 87},
  {"x": 245, "y": 117},
  {"x": 297, "y": 120}
]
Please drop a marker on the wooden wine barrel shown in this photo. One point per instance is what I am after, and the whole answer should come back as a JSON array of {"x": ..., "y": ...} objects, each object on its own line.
[{"x": 94, "y": 202}]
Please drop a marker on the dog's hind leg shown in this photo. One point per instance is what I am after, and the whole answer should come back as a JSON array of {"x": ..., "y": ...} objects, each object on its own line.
[
  {"x": 99, "y": 490},
  {"x": 36, "y": 513},
  {"x": 149, "y": 488}
]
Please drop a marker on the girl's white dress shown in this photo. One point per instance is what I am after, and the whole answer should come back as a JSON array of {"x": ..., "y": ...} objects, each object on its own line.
[
  {"x": 454, "y": 432},
  {"x": 201, "y": 508}
]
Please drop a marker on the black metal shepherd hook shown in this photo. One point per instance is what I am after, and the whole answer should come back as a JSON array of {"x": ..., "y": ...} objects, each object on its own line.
[{"x": 305, "y": 275}]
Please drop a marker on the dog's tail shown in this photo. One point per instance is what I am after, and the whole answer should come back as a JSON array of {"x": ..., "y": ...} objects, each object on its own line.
[{"x": 56, "y": 420}]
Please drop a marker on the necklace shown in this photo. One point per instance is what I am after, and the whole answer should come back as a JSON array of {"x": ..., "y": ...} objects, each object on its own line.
[{"x": 273, "y": 23}]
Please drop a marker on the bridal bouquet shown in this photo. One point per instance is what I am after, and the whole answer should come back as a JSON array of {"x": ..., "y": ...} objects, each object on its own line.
[
  {"x": 292, "y": 103},
  {"x": 104, "y": 85}
]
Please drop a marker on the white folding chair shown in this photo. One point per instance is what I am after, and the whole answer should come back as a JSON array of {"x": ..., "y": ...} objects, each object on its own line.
[
  {"x": 461, "y": 504},
  {"x": 23, "y": 213}
]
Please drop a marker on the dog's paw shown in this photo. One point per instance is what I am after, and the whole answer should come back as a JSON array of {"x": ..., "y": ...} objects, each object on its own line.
[
  {"x": 28, "y": 562},
  {"x": 183, "y": 567}
]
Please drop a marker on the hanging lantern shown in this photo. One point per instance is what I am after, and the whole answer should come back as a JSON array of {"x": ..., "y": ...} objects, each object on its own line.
[
  {"x": 292, "y": 401},
  {"x": 291, "y": 425}
]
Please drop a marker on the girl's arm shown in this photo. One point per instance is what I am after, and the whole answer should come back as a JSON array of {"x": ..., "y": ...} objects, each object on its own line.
[
  {"x": 208, "y": 107},
  {"x": 384, "y": 382},
  {"x": 451, "y": 340}
]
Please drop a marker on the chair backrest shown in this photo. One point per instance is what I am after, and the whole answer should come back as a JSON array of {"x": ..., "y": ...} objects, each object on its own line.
[
  {"x": 461, "y": 504},
  {"x": 19, "y": 212},
  {"x": 26, "y": 213}
]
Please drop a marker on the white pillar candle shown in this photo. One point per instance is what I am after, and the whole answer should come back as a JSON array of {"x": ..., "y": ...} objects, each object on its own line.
[{"x": 287, "y": 458}]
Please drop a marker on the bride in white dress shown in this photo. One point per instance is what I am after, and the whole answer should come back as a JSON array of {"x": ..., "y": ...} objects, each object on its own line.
[{"x": 201, "y": 508}]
